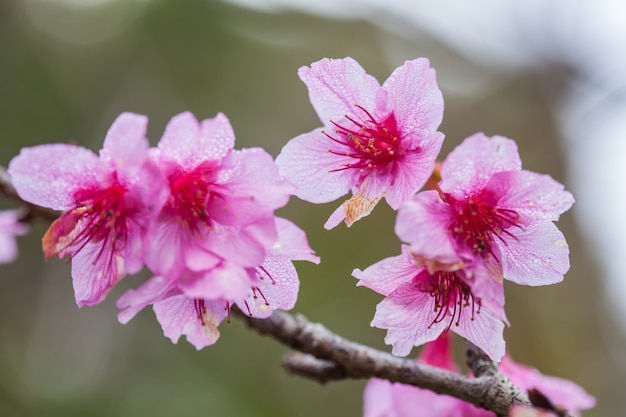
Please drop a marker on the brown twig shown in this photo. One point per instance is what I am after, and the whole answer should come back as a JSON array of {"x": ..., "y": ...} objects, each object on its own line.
[{"x": 493, "y": 392}]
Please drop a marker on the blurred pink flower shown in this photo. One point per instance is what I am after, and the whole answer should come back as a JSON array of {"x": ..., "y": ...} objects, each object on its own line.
[
  {"x": 561, "y": 392},
  {"x": 276, "y": 287},
  {"x": 376, "y": 141},
  {"x": 419, "y": 306},
  {"x": 218, "y": 223},
  {"x": 9, "y": 228},
  {"x": 489, "y": 216},
  {"x": 391, "y": 399},
  {"x": 111, "y": 202},
  {"x": 386, "y": 399}
]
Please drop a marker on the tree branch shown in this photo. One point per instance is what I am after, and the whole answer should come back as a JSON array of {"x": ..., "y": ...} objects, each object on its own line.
[{"x": 493, "y": 392}]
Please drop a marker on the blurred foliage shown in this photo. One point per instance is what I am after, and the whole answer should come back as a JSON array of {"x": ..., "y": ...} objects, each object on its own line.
[{"x": 67, "y": 70}]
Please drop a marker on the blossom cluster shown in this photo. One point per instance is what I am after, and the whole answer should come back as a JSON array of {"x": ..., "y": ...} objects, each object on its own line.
[
  {"x": 200, "y": 216},
  {"x": 482, "y": 219},
  {"x": 196, "y": 212}
]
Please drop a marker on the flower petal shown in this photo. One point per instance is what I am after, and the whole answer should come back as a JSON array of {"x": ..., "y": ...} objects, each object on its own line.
[
  {"x": 468, "y": 168},
  {"x": 336, "y": 85},
  {"x": 408, "y": 316},
  {"x": 178, "y": 315},
  {"x": 133, "y": 301},
  {"x": 190, "y": 143},
  {"x": 306, "y": 161},
  {"x": 412, "y": 171},
  {"x": 125, "y": 145},
  {"x": 423, "y": 222},
  {"x": 531, "y": 194},
  {"x": 48, "y": 175},
  {"x": 95, "y": 271},
  {"x": 537, "y": 255},
  {"x": 485, "y": 330},
  {"x": 418, "y": 102},
  {"x": 387, "y": 275}
]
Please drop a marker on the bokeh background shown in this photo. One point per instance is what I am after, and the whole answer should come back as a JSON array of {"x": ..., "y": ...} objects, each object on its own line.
[{"x": 548, "y": 74}]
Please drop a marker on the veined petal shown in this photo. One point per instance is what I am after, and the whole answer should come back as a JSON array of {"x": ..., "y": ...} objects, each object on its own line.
[
  {"x": 423, "y": 222},
  {"x": 197, "y": 319},
  {"x": 336, "y": 85},
  {"x": 531, "y": 194},
  {"x": 133, "y": 301},
  {"x": 306, "y": 161},
  {"x": 468, "y": 168},
  {"x": 537, "y": 255},
  {"x": 408, "y": 316},
  {"x": 48, "y": 175},
  {"x": 225, "y": 281},
  {"x": 387, "y": 275},
  {"x": 125, "y": 145},
  {"x": 292, "y": 243},
  {"x": 414, "y": 94},
  {"x": 485, "y": 330},
  {"x": 95, "y": 271},
  {"x": 190, "y": 143},
  {"x": 412, "y": 170},
  {"x": 277, "y": 288}
]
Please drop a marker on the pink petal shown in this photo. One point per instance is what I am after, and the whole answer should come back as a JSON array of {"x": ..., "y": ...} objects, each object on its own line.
[
  {"x": 485, "y": 330},
  {"x": 537, "y": 255},
  {"x": 190, "y": 143},
  {"x": 225, "y": 281},
  {"x": 125, "y": 146},
  {"x": 560, "y": 391},
  {"x": 412, "y": 171},
  {"x": 292, "y": 243},
  {"x": 408, "y": 315},
  {"x": 336, "y": 85},
  {"x": 178, "y": 316},
  {"x": 306, "y": 161},
  {"x": 531, "y": 194},
  {"x": 279, "y": 290},
  {"x": 412, "y": 88},
  {"x": 252, "y": 181},
  {"x": 133, "y": 301},
  {"x": 387, "y": 275},
  {"x": 9, "y": 228},
  {"x": 423, "y": 222},
  {"x": 95, "y": 271},
  {"x": 468, "y": 168},
  {"x": 48, "y": 175},
  {"x": 386, "y": 399}
]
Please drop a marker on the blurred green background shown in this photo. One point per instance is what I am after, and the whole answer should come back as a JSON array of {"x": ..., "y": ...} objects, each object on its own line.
[{"x": 67, "y": 70}]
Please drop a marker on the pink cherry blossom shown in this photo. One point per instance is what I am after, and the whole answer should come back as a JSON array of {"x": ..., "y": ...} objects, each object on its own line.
[
  {"x": 388, "y": 399},
  {"x": 110, "y": 203},
  {"x": 276, "y": 287},
  {"x": 218, "y": 223},
  {"x": 419, "y": 305},
  {"x": 489, "y": 215},
  {"x": 378, "y": 142},
  {"x": 10, "y": 227}
]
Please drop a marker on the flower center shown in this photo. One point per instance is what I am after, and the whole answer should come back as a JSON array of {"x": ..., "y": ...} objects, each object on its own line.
[
  {"x": 371, "y": 144},
  {"x": 479, "y": 222},
  {"x": 191, "y": 192},
  {"x": 451, "y": 295},
  {"x": 99, "y": 216}
]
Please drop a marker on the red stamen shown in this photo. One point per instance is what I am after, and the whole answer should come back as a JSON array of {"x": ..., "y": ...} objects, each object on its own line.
[
  {"x": 451, "y": 295},
  {"x": 372, "y": 144},
  {"x": 479, "y": 222}
]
